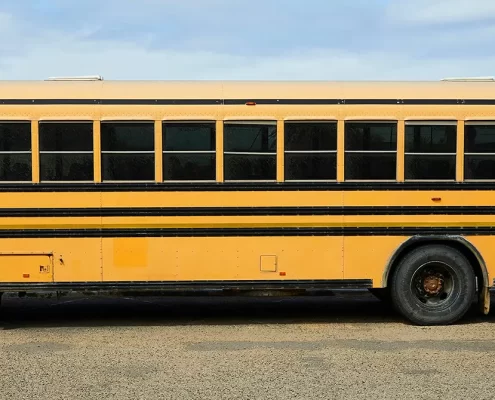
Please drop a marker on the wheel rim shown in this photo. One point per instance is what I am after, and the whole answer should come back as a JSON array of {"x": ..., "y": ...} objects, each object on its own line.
[{"x": 435, "y": 285}]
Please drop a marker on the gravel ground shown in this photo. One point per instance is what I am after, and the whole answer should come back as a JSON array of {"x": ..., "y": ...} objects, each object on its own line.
[{"x": 350, "y": 347}]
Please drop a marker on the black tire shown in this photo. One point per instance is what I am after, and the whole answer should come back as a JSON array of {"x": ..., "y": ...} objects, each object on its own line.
[{"x": 433, "y": 285}]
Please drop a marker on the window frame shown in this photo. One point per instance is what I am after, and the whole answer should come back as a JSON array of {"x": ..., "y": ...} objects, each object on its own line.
[
  {"x": 214, "y": 151},
  {"x": 396, "y": 151},
  {"x": 308, "y": 121},
  {"x": 467, "y": 154},
  {"x": 91, "y": 122},
  {"x": 30, "y": 152},
  {"x": 270, "y": 122},
  {"x": 102, "y": 152},
  {"x": 435, "y": 122}
]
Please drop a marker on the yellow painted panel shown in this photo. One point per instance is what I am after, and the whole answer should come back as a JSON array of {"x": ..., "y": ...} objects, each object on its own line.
[
  {"x": 158, "y": 151},
  {"x": 226, "y": 258},
  {"x": 268, "y": 263},
  {"x": 400, "y": 150},
  {"x": 371, "y": 112},
  {"x": 460, "y": 152},
  {"x": 35, "y": 151},
  {"x": 49, "y": 200},
  {"x": 159, "y": 113},
  {"x": 25, "y": 268},
  {"x": 148, "y": 259},
  {"x": 365, "y": 257},
  {"x": 280, "y": 151},
  {"x": 130, "y": 252},
  {"x": 221, "y": 199},
  {"x": 239, "y": 258},
  {"x": 419, "y": 198},
  {"x": 97, "y": 151},
  {"x": 219, "y": 159},
  {"x": 484, "y": 245},
  {"x": 246, "y": 199},
  {"x": 73, "y": 259},
  {"x": 48, "y": 112},
  {"x": 76, "y": 259}
]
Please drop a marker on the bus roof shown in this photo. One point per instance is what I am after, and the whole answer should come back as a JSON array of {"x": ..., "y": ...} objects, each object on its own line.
[{"x": 99, "y": 89}]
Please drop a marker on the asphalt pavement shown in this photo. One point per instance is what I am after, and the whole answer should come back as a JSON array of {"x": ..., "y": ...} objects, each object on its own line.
[{"x": 342, "y": 347}]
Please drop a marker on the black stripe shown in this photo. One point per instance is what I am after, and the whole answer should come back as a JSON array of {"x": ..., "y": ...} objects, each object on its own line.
[
  {"x": 244, "y": 211},
  {"x": 227, "y": 102},
  {"x": 160, "y": 102},
  {"x": 245, "y": 232},
  {"x": 246, "y": 187},
  {"x": 177, "y": 286}
]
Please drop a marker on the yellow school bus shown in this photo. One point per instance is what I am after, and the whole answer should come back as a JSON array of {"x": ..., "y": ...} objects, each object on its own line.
[{"x": 237, "y": 187}]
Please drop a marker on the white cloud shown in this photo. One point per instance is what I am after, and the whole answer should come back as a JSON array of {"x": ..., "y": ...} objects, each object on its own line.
[
  {"x": 440, "y": 11},
  {"x": 50, "y": 53}
]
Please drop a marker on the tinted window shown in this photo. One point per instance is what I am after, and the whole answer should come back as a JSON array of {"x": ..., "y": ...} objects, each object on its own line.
[
  {"x": 479, "y": 166},
  {"x": 370, "y": 166},
  {"x": 431, "y": 139},
  {"x": 250, "y": 138},
  {"x": 371, "y": 136},
  {"x": 66, "y": 167},
  {"x": 15, "y": 136},
  {"x": 479, "y": 139},
  {"x": 249, "y": 167},
  {"x": 66, "y": 136},
  {"x": 128, "y": 167},
  {"x": 429, "y": 167},
  {"x": 310, "y": 150},
  {"x": 310, "y": 166},
  {"x": 134, "y": 136},
  {"x": 310, "y": 136},
  {"x": 370, "y": 151},
  {"x": 188, "y": 136},
  {"x": 430, "y": 152},
  {"x": 15, "y": 167},
  {"x": 66, "y": 151},
  {"x": 250, "y": 151},
  {"x": 188, "y": 166},
  {"x": 128, "y": 151},
  {"x": 189, "y": 151},
  {"x": 15, "y": 145}
]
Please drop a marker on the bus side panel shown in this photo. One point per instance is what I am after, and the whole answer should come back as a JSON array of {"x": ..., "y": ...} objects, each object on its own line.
[
  {"x": 222, "y": 258},
  {"x": 74, "y": 259},
  {"x": 366, "y": 257},
  {"x": 484, "y": 245}
]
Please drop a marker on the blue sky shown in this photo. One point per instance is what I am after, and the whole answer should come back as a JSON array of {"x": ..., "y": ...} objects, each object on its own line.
[{"x": 247, "y": 39}]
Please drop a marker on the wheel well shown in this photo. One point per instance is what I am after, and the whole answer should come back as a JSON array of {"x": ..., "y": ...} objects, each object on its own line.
[{"x": 460, "y": 244}]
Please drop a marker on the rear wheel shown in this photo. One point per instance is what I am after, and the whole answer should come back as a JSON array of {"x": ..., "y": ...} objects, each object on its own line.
[{"x": 433, "y": 285}]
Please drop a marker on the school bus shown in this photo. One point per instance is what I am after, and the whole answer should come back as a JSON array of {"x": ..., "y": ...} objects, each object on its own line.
[{"x": 238, "y": 187}]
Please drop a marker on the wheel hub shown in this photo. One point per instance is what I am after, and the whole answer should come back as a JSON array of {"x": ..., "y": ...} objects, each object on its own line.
[{"x": 433, "y": 284}]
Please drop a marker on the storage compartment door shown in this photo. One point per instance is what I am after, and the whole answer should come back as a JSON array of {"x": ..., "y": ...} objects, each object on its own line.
[{"x": 26, "y": 268}]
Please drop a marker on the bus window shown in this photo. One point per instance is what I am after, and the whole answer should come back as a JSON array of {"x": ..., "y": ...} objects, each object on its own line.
[
  {"x": 15, "y": 151},
  {"x": 479, "y": 150},
  {"x": 370, "y": 150},
  {"x": 250, "y": 150},
  {"x": 127, "y": 151},
  {"x": 189, "y": 151},
  {"x": 66, "y": 151},
  {"x": 430, "y": 150},
  {"x": 310, "y": 150}
]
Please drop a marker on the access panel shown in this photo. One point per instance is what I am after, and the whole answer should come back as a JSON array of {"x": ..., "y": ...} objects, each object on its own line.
[{"x": 25, "y": 268}]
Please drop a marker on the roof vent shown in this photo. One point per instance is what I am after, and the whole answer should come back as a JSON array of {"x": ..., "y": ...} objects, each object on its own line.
[
  {"x": 76, "y": 78},
  {"x": 471, "y": 79}
]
